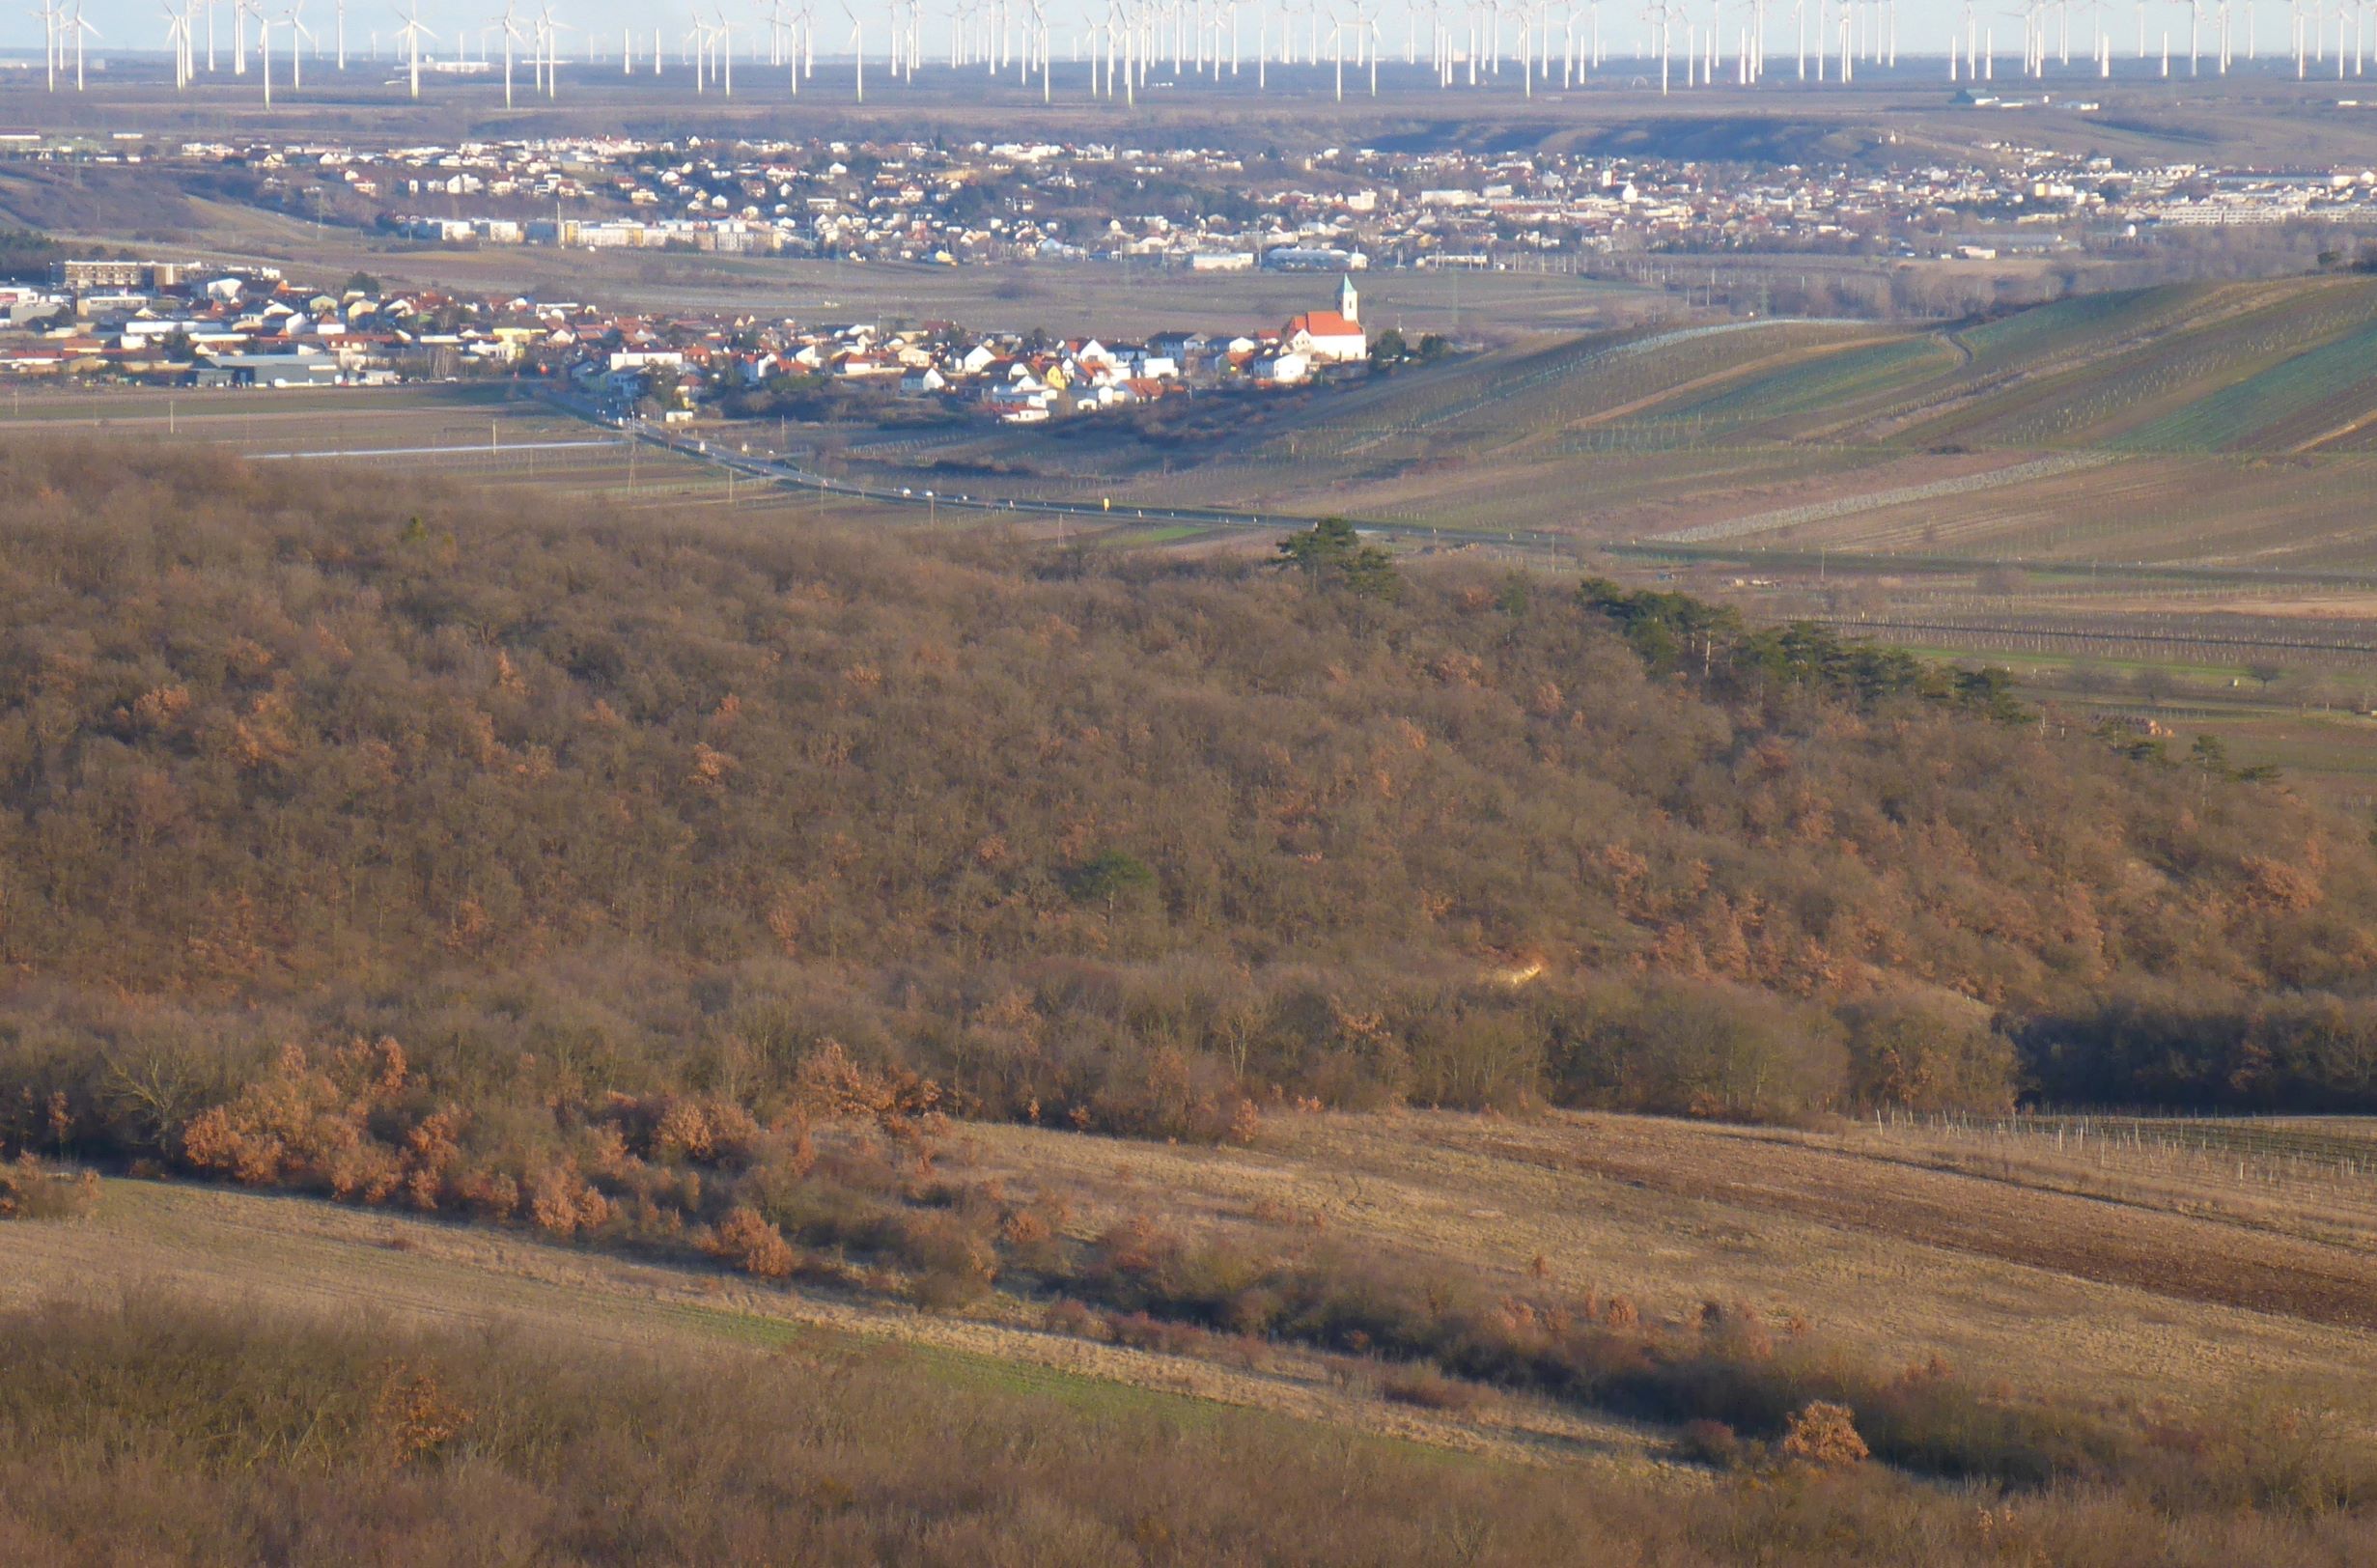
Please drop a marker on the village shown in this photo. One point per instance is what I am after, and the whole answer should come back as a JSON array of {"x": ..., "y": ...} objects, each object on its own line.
[{"x": 179, "y": 325}]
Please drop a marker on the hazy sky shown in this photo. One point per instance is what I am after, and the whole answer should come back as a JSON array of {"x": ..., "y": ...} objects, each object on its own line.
[{"x": 1923, "y": 26}]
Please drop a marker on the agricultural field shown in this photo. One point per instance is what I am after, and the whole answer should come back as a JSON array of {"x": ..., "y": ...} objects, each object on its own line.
[
  {"x": 2208, "y": 424},
  {"x": 474, "y": 434}
]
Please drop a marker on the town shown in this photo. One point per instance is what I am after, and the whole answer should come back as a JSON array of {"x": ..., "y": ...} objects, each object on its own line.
[
  {"x": 1217, "y": 209},
  {"x": 171, "y": 323}
]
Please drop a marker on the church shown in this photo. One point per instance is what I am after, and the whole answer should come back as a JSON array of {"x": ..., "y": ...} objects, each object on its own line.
[{"x": 1330, "y": 337}]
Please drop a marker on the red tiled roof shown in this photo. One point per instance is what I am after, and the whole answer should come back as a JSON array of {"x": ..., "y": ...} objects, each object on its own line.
[{"x": 1324, "y": 324}]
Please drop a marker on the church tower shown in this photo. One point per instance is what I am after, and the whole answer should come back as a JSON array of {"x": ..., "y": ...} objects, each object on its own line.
[{"x": 1349, "y": 303}]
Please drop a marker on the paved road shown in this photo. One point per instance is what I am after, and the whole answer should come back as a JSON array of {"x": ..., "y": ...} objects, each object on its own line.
[{"x": 491, "y": 451}]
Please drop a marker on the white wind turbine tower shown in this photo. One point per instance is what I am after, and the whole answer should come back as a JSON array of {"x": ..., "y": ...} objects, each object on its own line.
[
  {"x": 412, "y": 33},
  {"x": 726, "y": 52},
  {"x": 241, "y": 10},
  {"x": 49, "y": 39},
  {"x": 298, "y": 36},
  {"x": 82, "y": 28},
  {"x": 2100, "y": 46},
  {"x": 549, "y": 29},
  {"x": 1661, "y": 16},
  {"x": 263, "y": 52},
  {"x": 177, "y": 40},
  {"x": 342, "y": 37},
  {"x": 509, "y": 24},
  {"x": 859, "y": 52}
]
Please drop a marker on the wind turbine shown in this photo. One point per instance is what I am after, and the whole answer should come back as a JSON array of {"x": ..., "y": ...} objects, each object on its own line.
[
  {"x": 240, "y": 11},
  {"x": 295, "y": 19},
  {"x": 1660, "y": 15},
  {"x": 178, "y": 39},
  {"x": 859, "y": 52},
  {"x": 804, "y": 45},
  {"x": 549, "y": 29},
  {"x": 82, "y": 27},
  {"x": 263, "y": 52},
  {"x": 49, "y": 39},
  {"x": 510, "y": 25},
  {"x": 412, "y": 33}
]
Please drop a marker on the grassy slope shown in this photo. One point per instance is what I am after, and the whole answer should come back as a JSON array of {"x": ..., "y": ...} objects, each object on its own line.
[
  {"x": 295, "y": 1254},
  {"x": 2121, "y": 1282}
]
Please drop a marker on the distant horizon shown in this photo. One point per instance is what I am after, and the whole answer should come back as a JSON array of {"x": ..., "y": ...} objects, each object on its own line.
[{"x": 1924, "y": 31}]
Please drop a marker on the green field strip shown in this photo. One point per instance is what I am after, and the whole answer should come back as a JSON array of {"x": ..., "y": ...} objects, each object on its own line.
[{"x": 2336, "y": 373}]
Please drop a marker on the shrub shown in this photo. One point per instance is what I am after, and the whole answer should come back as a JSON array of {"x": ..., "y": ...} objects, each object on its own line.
[
  {"x": 1824, "y": 1437},
  {"x": 1711, "y": 1442},
  {"x": 1428, "y": 1388},
  {"x": 750, "y": 1242},
  {"x": 30, "y": 1189},
  {"x": 955, "y": 1264}
]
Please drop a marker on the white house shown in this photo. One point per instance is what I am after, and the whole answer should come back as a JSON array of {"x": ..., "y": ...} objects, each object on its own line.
[{"x": 1282, "y": 369}]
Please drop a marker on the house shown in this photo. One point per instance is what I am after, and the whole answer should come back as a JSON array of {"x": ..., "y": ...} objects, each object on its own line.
[{"x": 1282, "y": 369}]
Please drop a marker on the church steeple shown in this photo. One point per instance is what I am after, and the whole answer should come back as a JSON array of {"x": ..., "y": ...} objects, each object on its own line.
[{"x": 1349, "y": 303}]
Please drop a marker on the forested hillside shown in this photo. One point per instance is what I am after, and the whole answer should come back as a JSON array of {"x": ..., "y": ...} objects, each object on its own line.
[{"x": 569, "y": 805}]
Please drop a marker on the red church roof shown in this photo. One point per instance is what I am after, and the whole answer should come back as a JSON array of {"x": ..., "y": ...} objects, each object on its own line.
[{"x": 1324, "y": 324}]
